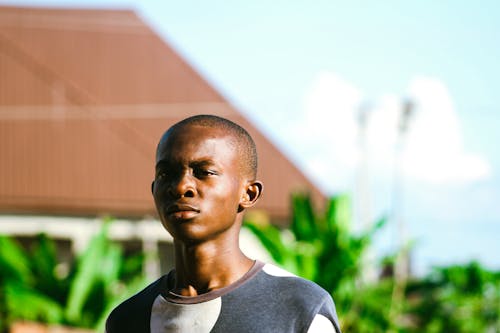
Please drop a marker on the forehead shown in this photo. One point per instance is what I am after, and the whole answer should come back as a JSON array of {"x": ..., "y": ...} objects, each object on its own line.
[{"x": 194, "y": 141}]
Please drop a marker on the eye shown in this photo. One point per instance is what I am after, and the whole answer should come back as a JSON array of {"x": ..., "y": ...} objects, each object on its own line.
[
  {"x": 204, "y": 173},
  {"x": 161, "y": 175}
]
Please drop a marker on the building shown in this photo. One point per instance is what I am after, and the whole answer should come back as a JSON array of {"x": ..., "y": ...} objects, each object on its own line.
[{"x": 84, "y": 97}]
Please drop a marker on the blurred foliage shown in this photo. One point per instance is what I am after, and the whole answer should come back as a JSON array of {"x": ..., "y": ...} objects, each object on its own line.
[
  {"x": 458, "y": 298},
  {"x": 99, "y": 279},
  {"x": 321, "y": 246}
]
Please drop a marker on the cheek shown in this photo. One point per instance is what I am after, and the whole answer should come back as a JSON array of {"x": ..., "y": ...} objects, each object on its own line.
[
  {"x": 238, "y": 198},
  {"x": 156, "y": 199},
  {"x": 228, "y": 197}
]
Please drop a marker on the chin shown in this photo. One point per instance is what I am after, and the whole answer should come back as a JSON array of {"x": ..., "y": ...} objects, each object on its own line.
[{"x": 183, "y": 232}]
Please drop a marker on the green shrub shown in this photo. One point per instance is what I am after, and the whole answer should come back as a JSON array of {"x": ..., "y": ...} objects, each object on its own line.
[
  {"x": 99, "y": 279},
  {"x": 321, "y": 246}
]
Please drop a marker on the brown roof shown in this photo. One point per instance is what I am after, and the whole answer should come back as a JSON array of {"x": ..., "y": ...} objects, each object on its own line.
[{"x": 84, "y": 98}]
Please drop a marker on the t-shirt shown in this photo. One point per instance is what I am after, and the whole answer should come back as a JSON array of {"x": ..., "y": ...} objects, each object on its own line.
[{"x": 265, "y": 299}]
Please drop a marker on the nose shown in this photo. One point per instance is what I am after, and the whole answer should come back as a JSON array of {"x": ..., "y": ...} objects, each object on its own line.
[{"x": 183, "y": 186}]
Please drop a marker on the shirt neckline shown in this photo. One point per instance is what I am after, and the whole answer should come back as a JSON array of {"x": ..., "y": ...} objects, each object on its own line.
[{"x": 168, "y": 282}]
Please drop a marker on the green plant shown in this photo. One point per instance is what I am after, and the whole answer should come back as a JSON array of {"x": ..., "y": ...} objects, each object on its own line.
[
  {"x": 457, "y": 298},
  {"x": 17, "y": 288},
  {"x": 100, "y": 278},
  {"x": 320, "y": 246}
]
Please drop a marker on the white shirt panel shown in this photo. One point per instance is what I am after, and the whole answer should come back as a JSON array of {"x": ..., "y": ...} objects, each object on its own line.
[
  {"x": 321, "y": 324},
  {"x": 172, "y": 317}
]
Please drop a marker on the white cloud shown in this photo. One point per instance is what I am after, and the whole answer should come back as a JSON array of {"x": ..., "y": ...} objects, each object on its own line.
[
  {"x": 435, "y": 151},
  {"x": 329, "y": 142},
  {"x": 329, "y": 131}
]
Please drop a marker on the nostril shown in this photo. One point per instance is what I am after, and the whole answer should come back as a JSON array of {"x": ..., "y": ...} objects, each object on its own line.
[{"x": 189, "y": 193}]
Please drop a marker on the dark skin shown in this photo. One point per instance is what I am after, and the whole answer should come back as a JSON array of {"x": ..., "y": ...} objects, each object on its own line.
[{"x": 201, "y": 191}]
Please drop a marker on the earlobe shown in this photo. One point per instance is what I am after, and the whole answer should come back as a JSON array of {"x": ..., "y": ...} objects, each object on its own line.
[{"x": 252, "y": 194}]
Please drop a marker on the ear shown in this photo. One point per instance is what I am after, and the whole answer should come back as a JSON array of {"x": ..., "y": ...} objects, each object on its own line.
[
  {"x": 252, "y": 193},
  {"x": 152, "y": 187}
]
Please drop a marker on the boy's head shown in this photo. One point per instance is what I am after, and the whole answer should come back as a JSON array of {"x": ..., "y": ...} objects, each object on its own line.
[
  {"x": 243, "y": 142},
  {"x": 205, "y": 177}
]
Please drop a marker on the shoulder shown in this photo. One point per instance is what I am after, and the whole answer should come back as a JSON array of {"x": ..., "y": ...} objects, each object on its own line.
[
  {"x": 133, "y": 315},
  {"x": 309, "y": 299},
  {"x": 282, "y": 280}
]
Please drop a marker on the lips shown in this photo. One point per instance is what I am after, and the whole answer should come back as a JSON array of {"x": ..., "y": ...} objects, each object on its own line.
[{"x": 182, "y": 211}]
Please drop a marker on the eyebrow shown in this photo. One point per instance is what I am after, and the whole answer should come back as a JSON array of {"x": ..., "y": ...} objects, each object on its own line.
[
  {"x": 160, "y": 164},
  {"x": 203, "y": 162}
]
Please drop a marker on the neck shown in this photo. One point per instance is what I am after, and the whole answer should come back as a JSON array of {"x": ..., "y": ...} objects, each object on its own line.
[{"x": 202, "y": 267}]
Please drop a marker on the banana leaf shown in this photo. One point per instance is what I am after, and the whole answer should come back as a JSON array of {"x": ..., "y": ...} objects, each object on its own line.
[
  {"x": 304, "y": 224},
  {"x": 14, "y": 262},
  {"x": 28, "y": 304},
  {"x": 87, "y": 275}
]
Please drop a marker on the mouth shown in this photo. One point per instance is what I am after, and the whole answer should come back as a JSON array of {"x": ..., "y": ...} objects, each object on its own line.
[{"x": 182, "y": 211}]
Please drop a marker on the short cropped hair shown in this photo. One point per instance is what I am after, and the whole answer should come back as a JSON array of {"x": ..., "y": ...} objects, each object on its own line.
[{"x": 245, "y": 144}]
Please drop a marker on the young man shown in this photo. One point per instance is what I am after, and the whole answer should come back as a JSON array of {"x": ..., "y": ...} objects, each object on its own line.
[{"x": 206, "y": 170}]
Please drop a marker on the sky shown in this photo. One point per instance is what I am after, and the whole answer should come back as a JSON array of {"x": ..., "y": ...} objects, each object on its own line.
[{"x": 303, "y": 71}]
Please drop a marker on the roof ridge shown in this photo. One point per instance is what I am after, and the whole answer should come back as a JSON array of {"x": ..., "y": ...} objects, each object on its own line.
[{"x": 86, "y": 19}]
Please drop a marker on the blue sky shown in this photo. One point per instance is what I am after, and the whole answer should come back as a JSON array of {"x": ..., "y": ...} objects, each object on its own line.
[{"x": 301, "y": 70}]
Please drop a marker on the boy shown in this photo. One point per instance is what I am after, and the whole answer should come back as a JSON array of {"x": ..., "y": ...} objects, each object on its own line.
[{"x": 205, "y": 178}]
